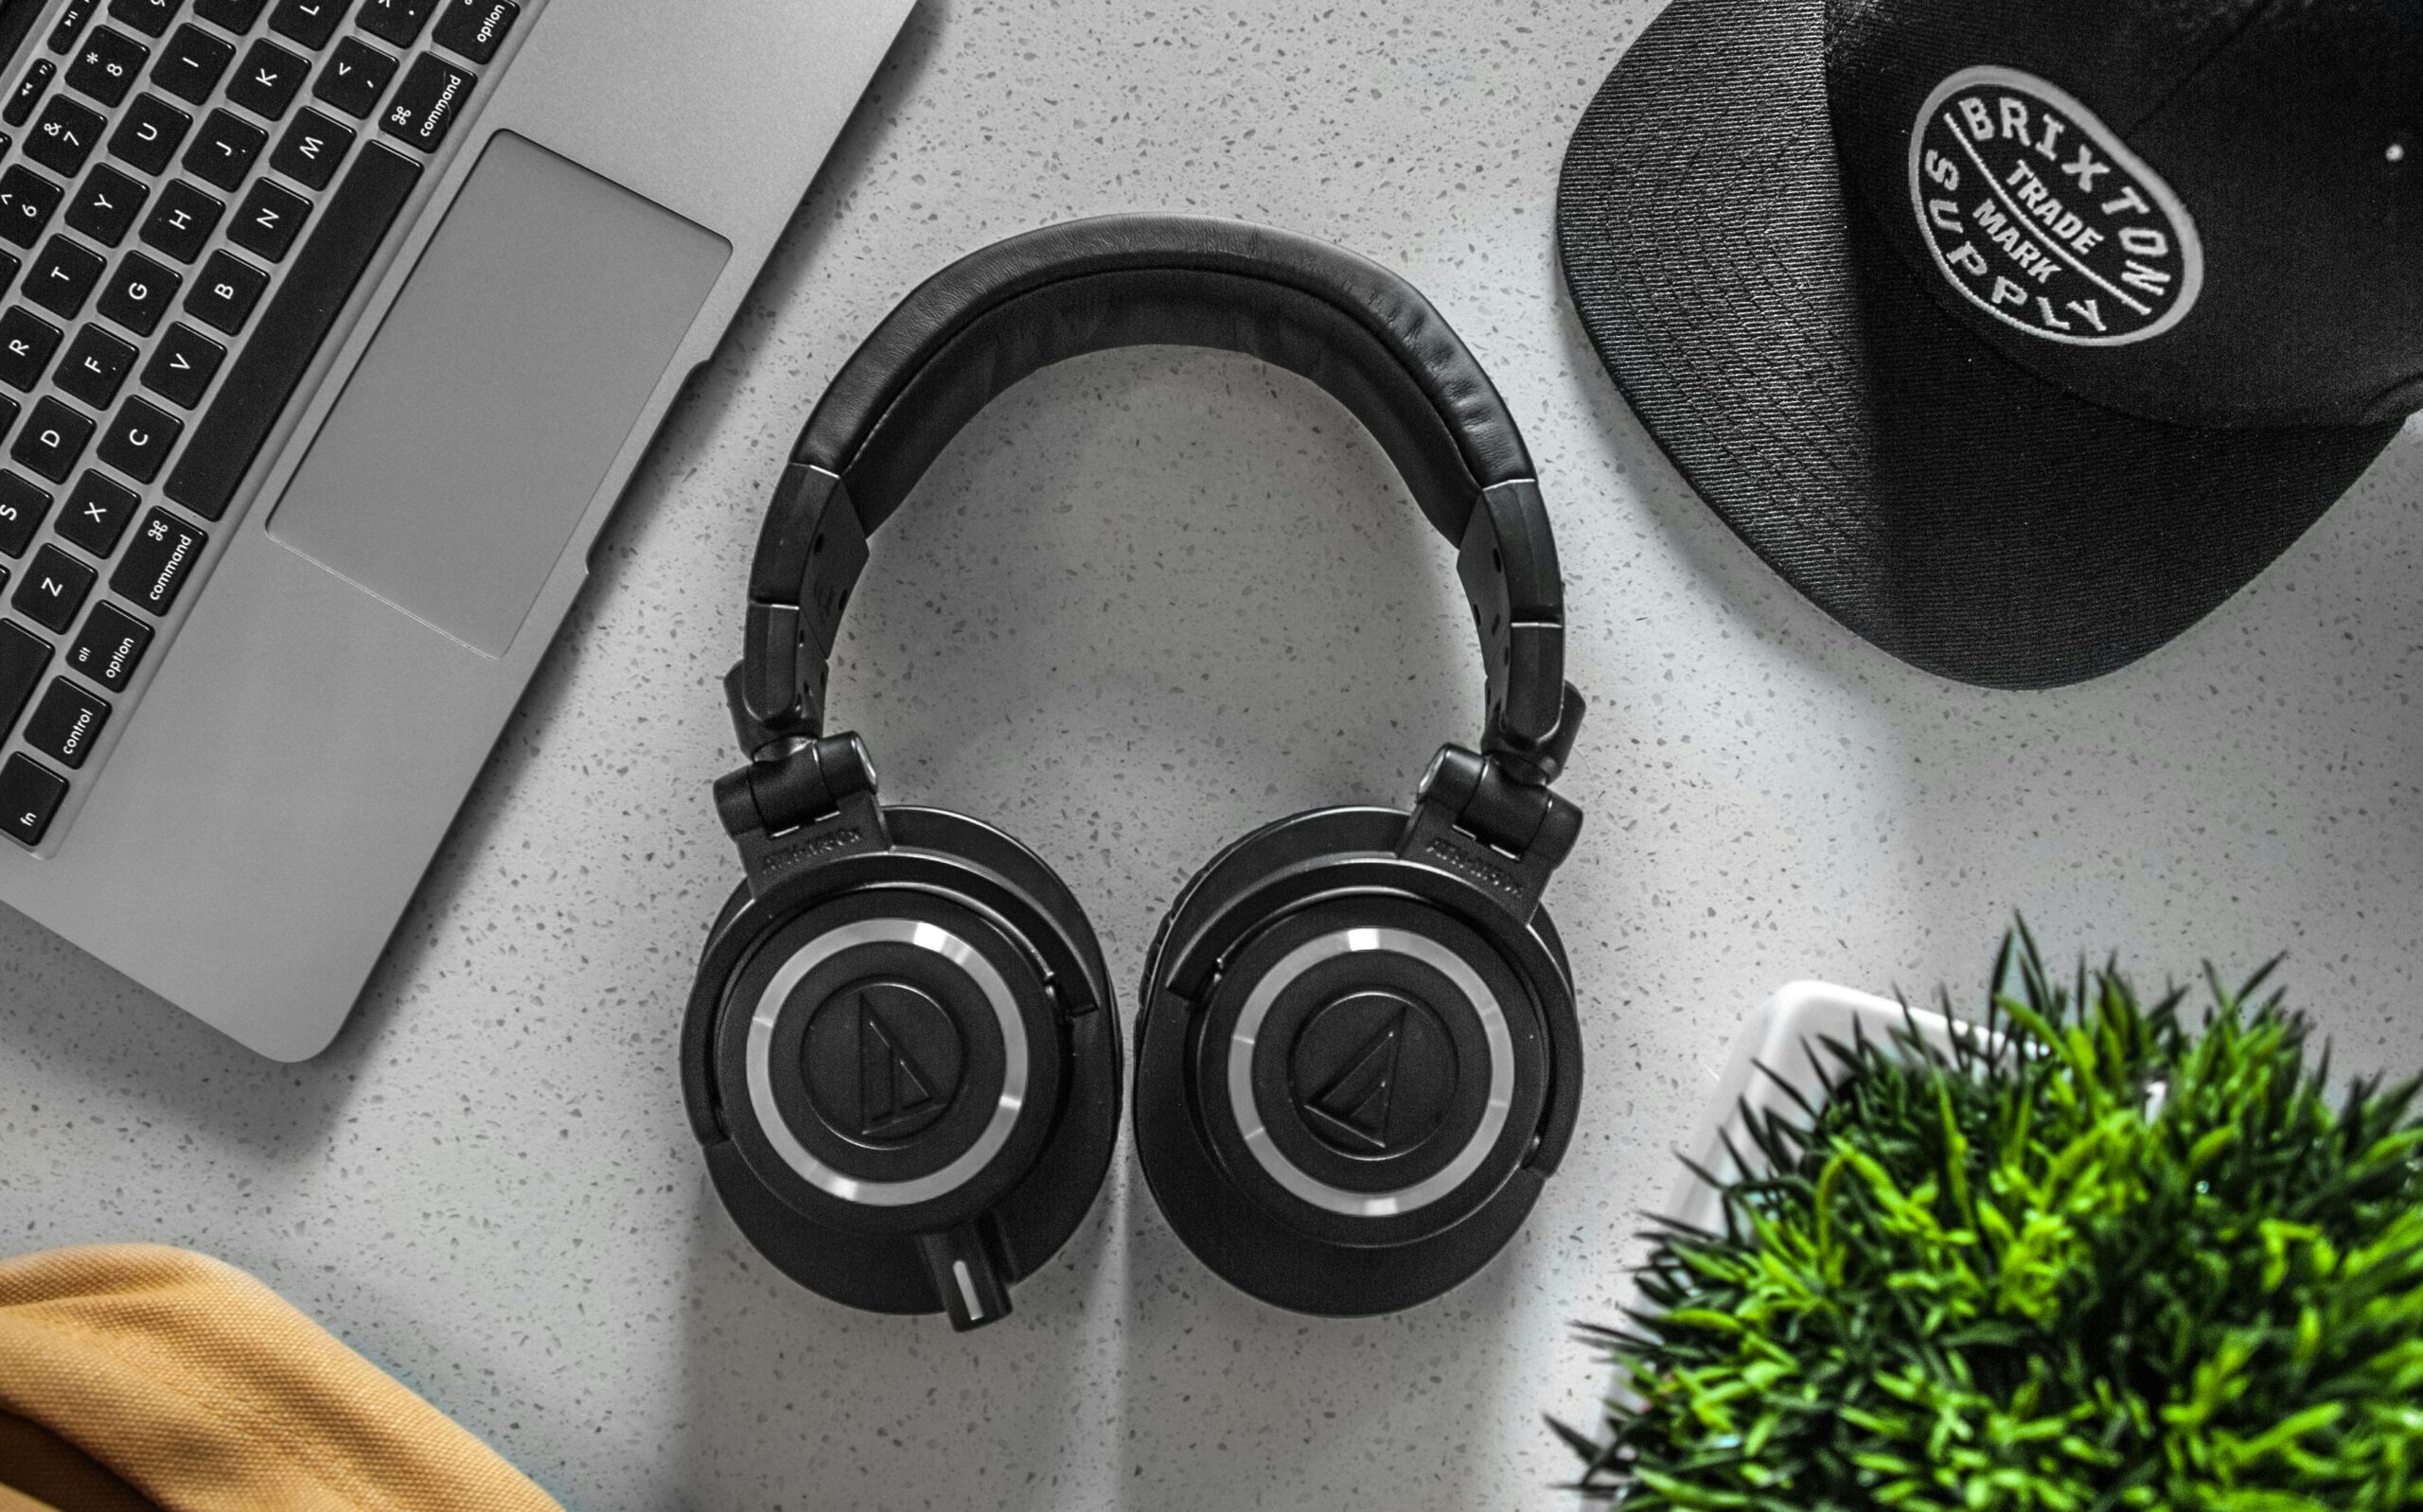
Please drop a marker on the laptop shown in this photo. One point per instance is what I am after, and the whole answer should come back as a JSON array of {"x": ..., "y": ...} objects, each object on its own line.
[{"x": 330, "y": 332}]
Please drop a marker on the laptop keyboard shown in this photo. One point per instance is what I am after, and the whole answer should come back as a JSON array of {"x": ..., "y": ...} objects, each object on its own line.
[{"x": 189, "y": 192}]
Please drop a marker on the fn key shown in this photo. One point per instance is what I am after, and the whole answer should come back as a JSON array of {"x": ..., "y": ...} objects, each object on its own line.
[{"x": 29, "y": 796}]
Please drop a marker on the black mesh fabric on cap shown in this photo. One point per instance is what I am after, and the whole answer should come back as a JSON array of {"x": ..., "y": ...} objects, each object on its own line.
[{"x": 1935, "y": 497}]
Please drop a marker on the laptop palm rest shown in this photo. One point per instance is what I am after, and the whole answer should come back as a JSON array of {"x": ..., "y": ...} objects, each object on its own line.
[{"x": 482, "y": 419}]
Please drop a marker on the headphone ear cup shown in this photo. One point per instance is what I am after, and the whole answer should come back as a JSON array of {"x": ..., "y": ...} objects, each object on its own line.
[
  {"x": 1354, "y": 1072},
  {"x": 904, "y": 1065}
]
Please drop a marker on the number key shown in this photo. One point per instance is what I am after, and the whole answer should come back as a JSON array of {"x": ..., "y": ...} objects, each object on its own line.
[
  {"x": 145, "y": 15},
  {"x": 224, "y": 150},
  {"x": 65, "y": 136},
  {"x": 54, "y": 590},
  {"x": 148, "y": 135},
  {"x": 27, "y": 343},
  {"x": 139, "y": 293},
  {"x": 22, "y": 508},
  {"x": 27, "y": 201},
  {"x": 107, "y": 66},
  {"x": 180, "y": 370},
  {"x": 226, "y": 292},
  {"x": 98, "y": 510},
  {"x": 181, "y": 222}
]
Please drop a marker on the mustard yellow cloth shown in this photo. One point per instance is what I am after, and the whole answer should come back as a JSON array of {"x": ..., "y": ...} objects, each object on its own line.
[{"x": 134, "y": 1377}]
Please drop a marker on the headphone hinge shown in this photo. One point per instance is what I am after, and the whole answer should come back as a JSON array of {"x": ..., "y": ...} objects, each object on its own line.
[
  {"x": 802, "y": 800},
  {"x": 1482, "y": 821}
]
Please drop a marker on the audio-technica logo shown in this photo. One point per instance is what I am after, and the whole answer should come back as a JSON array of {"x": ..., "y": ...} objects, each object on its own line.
[
  {"x": 809, "y": 848},
  {"x": 2043, "y": 219},
  {"x": 1459, "y": 859}
]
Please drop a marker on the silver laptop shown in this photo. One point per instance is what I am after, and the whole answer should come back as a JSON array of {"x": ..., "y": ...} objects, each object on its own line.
[{"x": 331, "y": 331}]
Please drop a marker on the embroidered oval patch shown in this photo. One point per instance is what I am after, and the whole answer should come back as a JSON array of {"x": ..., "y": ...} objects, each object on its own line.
[{"x": 2040, "y": 216}]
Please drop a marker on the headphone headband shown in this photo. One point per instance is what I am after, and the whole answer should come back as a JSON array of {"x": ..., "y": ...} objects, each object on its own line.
[{"x": 976, "y": 328}]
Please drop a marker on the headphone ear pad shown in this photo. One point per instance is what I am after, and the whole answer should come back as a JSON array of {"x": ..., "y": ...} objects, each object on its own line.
[
  {"x": 1354, "y": 1072},
  {"x": 903, "y": 1064}
]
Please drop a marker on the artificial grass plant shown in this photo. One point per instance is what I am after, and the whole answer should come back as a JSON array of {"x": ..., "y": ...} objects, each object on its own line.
[{"x": 2093, "y": 1257}]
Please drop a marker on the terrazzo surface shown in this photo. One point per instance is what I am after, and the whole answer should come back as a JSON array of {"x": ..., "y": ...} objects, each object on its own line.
[{"x": 1148, "y": 601}]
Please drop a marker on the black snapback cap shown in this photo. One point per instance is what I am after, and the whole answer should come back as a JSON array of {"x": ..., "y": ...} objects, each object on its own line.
[{"x": 2017, "y": 335}]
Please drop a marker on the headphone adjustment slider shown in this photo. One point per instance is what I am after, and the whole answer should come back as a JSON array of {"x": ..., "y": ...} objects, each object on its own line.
[
  {"x": 1488, "y": 824},
  {"x": 802, "y": 800}
]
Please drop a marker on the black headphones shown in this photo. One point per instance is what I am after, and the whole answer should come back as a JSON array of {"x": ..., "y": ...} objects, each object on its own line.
[{"x": 1358, "y": 1054}]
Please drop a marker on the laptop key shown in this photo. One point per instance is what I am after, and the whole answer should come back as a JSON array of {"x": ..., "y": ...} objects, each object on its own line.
[
  {"x": 62, "y": 276},
  {"x": 22, "y": 508},
  {"x": 111, "y": 648},
  {"x": 270, "y": 221},
  {"x": 311, "y": 149},
  {"x": 23, "y": 656},
  {"x": 65, "y": 136},
  {"x": 96, "y": 367},
  {"x": 107, "y": 66},
  {"x": 476, "y": 28},
  {"x": 396, "y": 21},
  {"x": 181, "y": 224},
  {"x": 27, "y": 201},
  {"x": 29, "y": 90},
  {"x": 192, "y": 64},
  {"x": 266, "y": 82},
  {"x": 53, "y": 440},
  {"x": 66, "y": 722},
  {"x": 155, "y": 567},
  {"x": 145, "y": 15},
  {"x": 150, "y": 133},
  {"x": 317, "y": 285},
  {"x": 432, "y": 95},
  {"x": 139, "y": 293},
  {"x": 184, "y": 364},
  {"x": 226, "y": 291},
  {"x": 308, "y": 22},
  {"x": 139, "y": 440},
  {"x": 54, "y": 591},
  {"x": 70, "y": 24},
  {"x": 27, "y": 342},
  {"x": 224, "y": 150},
  {"x": 354, "y": 78},
  {"x": 105, "y": 207},
  {"x": 29, "y": 796},
  {"x": 98, "y": 510},
  {"x": 236, "y": 15}
]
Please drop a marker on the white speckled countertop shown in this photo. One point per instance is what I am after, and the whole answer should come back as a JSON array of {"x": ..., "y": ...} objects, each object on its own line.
[{"x": 1148, "y": 601}]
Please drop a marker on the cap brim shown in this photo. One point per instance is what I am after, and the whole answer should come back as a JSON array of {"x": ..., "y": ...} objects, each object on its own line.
[{"x": 1916, "y": 484}]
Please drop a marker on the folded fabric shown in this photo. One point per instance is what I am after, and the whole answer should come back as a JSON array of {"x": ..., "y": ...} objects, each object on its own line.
[{"x": 135, "y": 1377}]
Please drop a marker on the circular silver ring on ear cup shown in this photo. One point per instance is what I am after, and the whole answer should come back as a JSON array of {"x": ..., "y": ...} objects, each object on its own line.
[
  {"x": 1246, "y": 1110},
  {"x": 1017, "y": 1062}
]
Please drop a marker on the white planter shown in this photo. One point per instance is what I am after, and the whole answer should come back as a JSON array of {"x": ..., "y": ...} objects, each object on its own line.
[{"x": 1786, "y": 1036}]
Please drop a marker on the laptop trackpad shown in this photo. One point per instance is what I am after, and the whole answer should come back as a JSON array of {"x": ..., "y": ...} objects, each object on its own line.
[{"x": 484, "y": 416}]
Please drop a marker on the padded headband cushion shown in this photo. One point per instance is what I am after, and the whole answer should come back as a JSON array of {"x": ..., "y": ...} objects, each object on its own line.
[{"x": 1350, "y": 326}]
